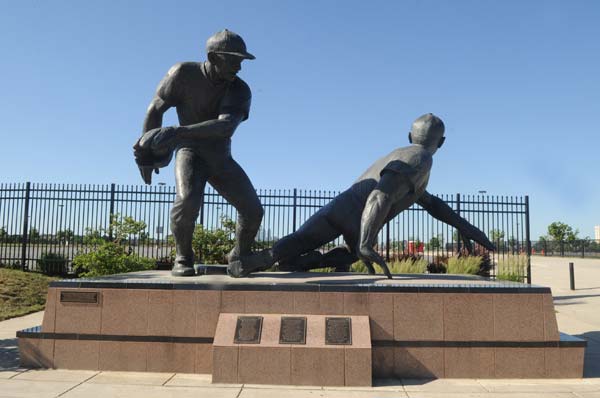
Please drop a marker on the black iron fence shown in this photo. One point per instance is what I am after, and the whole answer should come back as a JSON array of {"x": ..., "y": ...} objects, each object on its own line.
[
  {"x": 42, "y": 219},
  {"x": 576, "y": 248}
]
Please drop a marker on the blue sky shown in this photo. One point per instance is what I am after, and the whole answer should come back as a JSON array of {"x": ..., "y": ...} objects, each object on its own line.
[{"x": 336, "y": 84}]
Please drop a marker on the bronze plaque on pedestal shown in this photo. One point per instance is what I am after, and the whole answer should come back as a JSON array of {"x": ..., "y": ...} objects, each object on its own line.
[
  {"x": 79, "y": 297},
  {"x": 292, "y": 330},
  {"x": 248, "y": 330},
  {"x": 338, "y": 331}
]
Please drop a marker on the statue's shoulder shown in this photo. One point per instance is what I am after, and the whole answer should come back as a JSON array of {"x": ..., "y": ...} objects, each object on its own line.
[
  {"x": 184, "y": 70},
  {"x": 240, "y": 89},
  {"x": 409, "y": 160}
]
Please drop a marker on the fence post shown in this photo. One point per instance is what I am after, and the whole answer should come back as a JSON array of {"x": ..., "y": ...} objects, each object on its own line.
[
  {"x": 582, "y": 248},
  {"x": 201, "y": 211},
  {"x": 457, "y": 232},
  {"x": 387, "y": 241},
  {"x": 294, "y": 210},
  {"x": 25, "y": 233},
  {"x": 528, "y": 239},
  {"x": 562, "y": 248},
  {"x": 111, "y": 211}
]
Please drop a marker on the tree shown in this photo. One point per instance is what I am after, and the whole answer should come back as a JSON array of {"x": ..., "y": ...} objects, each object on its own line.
[
  {"x": 561, "y": 232},
  {"x": 65, "y": 237},
  {"x": 435, "y": 242},
  {"x": 34, "y": 234},
  {"x": 496, "y": 235},
  {"x": 3, "y": 234}
]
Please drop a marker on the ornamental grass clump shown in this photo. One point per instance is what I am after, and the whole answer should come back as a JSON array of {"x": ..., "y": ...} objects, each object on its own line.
[
  {"x": 512, "y": 268},
  {"x": 464, "y": 265}
]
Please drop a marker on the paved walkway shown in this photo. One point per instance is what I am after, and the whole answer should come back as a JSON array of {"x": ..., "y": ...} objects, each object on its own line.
[{"x": 577, "y": 312}]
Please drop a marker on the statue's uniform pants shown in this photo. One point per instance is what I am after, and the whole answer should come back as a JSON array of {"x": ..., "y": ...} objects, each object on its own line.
[
  {"x": 192, "y": 172},
  {"x": 341, "y": 216}
]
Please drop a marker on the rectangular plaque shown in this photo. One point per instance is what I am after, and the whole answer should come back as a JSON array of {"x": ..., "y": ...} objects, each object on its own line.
[
  {"x": 79, "y": 297},
  {"x": 248, "y": 330},
  {"x": 292, "y": 330},
  {"x": 338, "y": 331}
]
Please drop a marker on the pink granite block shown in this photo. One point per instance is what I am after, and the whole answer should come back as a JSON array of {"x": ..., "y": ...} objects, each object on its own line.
[
  {"x": 528, "y": 363},
  {"x": 468, "y": 317},
  {"x": 317, "y": 366},
  {"x": 550, "y": 325},
  {"x": 225, "y": 364},
  {"x": 306, "y": 303},
  {"x": 469, "y": 362},
  {"x": 331, "y": 303},
  {"x": 356, "y": 303},
  {"x": 419, "y": 362},
  {"x": 418, "y": 316},
  {"x": 160, "y": 313},
  {"x": 518, "y": 317},
  {"x": 78, "y": 317},
  {"x": 358, "y": 366},
  {"x": 208, "y": 308},
  {"x": 233, "y": 301},
  {"x": 269, "y": 302},
  {"x": 264, "y": 365},
  {"x": 204, "y": 358},
  {"x": 172, "y": 357},
  {"x": 36, "y": 353},
  {"x": 48, "y": 324},
  {"x": 185, "y": 311},
  {"x": 123, "y": 356},
  {"x": 76, "y": 354},
  {"x": 564, "y": 362},
  {"x": 125, "y": 312},
  {"x": 381, "y": 315},
  {"x": 383, "y": 362}
]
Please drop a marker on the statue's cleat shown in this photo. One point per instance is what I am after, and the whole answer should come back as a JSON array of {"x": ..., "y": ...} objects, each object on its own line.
[
  {"x": 245, "y": 265},
  {"x": 183, "y": 270}
]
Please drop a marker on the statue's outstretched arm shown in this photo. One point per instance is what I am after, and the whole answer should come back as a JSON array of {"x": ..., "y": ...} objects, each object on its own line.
[{"x": 441, "y": 211}]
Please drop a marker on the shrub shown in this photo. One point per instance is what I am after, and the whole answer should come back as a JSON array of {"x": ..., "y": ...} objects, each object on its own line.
[
  {"x": 112, "y": 257},
  {"x": 512, "y": 268},
  {"x": 469, "y": 265},
  {"x": 212, "y": 246},
  {"x": 52, "y": 264}
]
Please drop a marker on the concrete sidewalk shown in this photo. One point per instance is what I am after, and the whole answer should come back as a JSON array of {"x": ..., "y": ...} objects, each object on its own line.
[{"x": 577, "y": 312}]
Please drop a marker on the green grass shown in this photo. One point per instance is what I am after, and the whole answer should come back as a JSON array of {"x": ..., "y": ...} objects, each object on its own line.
[
  {"x": 512, "y": 268},
  {"x": 466, "y": 265},
  {"x": 21, "y": 293}
]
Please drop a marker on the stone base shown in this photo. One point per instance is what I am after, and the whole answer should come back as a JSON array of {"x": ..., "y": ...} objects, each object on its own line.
[
  {"x": 313, "y": 363},
  {"x": 419, "y": 325}
]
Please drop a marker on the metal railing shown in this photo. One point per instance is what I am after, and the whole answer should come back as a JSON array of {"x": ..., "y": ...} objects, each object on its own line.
[{"x": 54, "y": 218}]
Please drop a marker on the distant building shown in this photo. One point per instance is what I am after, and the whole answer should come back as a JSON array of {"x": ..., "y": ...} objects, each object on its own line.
[{"x": 597, "y": 232}]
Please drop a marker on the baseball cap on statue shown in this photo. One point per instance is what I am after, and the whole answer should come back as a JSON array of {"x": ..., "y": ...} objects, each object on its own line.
[{"x": 227, "y": 42}]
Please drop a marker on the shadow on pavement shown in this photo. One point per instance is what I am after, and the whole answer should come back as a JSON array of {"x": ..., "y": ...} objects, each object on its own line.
[
  {"x": 591, "y": 365},
  {"x": 9, "y": 354}
]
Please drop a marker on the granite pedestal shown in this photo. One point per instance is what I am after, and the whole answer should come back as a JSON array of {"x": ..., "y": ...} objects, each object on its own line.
[{"x": 417, "y": 326}]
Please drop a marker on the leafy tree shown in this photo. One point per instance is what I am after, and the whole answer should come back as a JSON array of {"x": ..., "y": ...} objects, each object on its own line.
[
  {"x": 34, "y": 234},
  {"x": 436, "y": 242},
  {"x": 3, "y": 234},
  {"x": 496, "y": 235},
  {"x": 108, "y": 257},
  {"x": 65, "y": 236},
  {"x": 561, "y": 232}
]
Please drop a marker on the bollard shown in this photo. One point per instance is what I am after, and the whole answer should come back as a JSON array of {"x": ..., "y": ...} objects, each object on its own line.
[{"x": 572, "y": 275}]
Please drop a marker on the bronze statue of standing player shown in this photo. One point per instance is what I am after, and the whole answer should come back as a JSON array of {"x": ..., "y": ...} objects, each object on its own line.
[{"x": 211, "y": 101}]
